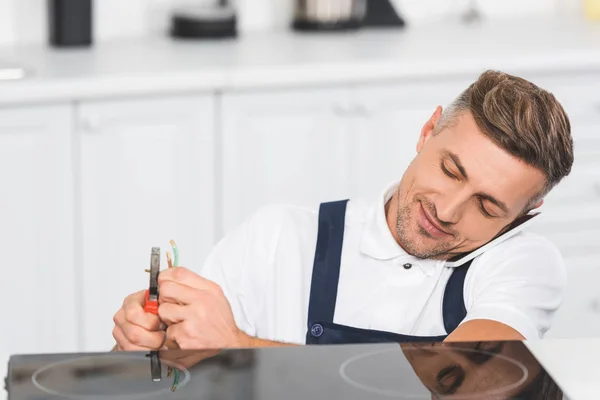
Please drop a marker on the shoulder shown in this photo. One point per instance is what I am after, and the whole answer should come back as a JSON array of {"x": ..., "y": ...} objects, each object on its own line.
[
  {"x": 521, "y": 282},
  {"x": 525, "y": 255},
  {"x": 268, "y": 225},
  {"x": 307, "y": 215},
  {"x": 271, "y": 219}
]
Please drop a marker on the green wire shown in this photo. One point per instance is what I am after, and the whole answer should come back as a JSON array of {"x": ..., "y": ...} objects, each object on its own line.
[
  {"x": 175, "y": 254},
  {"x": 175, "y": 380},
  {"x": 175, "y": 264}
]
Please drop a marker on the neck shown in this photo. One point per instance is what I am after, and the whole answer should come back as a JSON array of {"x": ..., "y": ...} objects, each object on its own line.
[{"x": 391, "y": 217}]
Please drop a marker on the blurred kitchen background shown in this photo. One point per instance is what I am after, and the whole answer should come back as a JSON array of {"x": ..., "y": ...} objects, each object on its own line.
[{"x": 122, "y": 126}]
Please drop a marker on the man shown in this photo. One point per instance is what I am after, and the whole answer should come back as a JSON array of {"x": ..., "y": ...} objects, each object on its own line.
[{"x": 438, "y": 256}]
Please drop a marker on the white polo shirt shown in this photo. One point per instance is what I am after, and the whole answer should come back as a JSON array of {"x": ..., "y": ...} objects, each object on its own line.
[{"x": 265, "y": 267}]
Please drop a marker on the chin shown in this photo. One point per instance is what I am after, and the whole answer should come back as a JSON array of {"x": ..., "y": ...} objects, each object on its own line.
[{"x": 419, "y": 244}]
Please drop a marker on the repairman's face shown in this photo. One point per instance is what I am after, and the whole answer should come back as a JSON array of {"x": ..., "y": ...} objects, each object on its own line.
[
  {"x": 459, "y": 192},
  {"x": 486, "y": 370}
]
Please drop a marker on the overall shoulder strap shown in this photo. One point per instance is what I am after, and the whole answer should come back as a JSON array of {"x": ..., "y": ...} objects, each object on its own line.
[
  {"x": 453, "y": 308},
  {"x": 326, "y": 266}
]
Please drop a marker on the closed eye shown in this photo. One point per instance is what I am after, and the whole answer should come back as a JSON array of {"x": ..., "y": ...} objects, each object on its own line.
[
  {"x": 447, "y": 172},
  {"x": 484, "y": 211}
]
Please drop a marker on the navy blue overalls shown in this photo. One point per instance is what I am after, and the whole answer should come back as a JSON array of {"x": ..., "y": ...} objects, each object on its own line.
[{"x": 324, "y": 285}]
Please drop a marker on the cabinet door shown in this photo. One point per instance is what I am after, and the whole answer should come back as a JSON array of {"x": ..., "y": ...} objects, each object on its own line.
[
  {"x": 572, "y": 208},
  {"x": 579, "y": 315},
  {"x": 283, "y": 147},
  {"x": 36, "y": 231},
  {"x": 388, "y": 122},
  {"x": 146, "y": 177}
]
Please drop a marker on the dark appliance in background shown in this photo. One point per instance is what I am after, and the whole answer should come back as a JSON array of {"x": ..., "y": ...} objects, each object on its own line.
[
  {"x": 218, "y": 20},
  {"x": 70, "y": 23},
  {"x": 338, "y": 15},
  {"x": 382, "y": 14}
]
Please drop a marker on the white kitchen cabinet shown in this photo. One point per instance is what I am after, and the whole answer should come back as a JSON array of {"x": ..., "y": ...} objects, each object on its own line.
[
  {"x": 388, "y": 122},
  {"x": 572, "y": 209},
  {"x": 579, "y": 315},
  {"x": 36, "y": 230},
  {"x": 146, "y": 176},
  {"x": 289, "y": 147},
  {"x": 313, "y": 145}
]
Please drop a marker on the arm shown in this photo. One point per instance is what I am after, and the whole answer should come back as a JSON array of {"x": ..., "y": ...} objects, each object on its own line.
[
  {"x": 198, "y": 314},
  {"x": 481, "y": 330},
  {"x": 513, "y": 291},
  {"x": 228, "y": 293},
  {"x": 238, "y": 265}
]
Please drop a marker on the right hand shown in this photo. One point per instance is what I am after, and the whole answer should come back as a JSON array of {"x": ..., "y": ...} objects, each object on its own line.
[{"x": 135, "y": 329}]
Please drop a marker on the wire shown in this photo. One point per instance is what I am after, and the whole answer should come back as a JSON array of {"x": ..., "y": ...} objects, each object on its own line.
[
  {"x": 173, "y": 263},
  {"x": 175, "y": 380},
  {"x": 175, "y": 253}
]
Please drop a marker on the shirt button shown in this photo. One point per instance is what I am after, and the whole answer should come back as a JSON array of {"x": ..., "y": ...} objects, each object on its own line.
[
  {"x": 316, "y": 330},
  {"x": 407, "y": 266}
]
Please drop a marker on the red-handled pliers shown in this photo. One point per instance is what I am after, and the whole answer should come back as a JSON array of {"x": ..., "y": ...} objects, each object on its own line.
[{"x": 151, "y": 300}]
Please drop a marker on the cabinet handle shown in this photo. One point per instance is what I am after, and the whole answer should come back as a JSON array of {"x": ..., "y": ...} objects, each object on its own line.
[
  {"x": 597, "y": 188},
  {"x": 356, "y": 110},
  {"x": 339, "y": 111},
  {"x": 88, "y": 123},
  {"x": 595, "y": 305},
  {"x": 362, "y": 111}
]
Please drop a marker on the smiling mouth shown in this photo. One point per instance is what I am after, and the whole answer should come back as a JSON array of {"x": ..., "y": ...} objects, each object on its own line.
[{"x": 429, "y": 225}]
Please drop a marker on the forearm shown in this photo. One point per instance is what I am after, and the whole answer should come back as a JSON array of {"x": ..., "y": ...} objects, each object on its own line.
[{"x": 483, "y": 330}]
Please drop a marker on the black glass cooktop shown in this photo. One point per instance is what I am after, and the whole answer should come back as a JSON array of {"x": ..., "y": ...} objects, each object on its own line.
[{"x": 483, "y": 370}]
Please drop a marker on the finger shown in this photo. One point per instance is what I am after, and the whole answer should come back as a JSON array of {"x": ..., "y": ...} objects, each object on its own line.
[
  {"x": 186, "y": 277},
  {"x": 134, "y": 313},
  {"x": 173, "y": 313},
  {"x": 123, "y": 344},
  {"x": 174, "y": 292},
  {"x": 138, "y": 336},
  {"x": 175, "y": 333},
  {"x": 170, "y": 344}
]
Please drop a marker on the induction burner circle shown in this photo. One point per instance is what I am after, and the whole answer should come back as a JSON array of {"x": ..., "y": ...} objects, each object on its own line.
[
  {"x": 106, "y": 376},
  {"x": 387, "y": 373}
]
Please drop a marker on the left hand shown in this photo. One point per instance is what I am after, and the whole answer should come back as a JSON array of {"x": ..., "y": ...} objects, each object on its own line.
[{"x": 196, "y": 311}]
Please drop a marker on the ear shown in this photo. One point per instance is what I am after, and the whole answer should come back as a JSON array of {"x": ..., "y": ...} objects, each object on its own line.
[
  {"x": 538, "y": 205},
  {"x": 429, "y": 128},
  {"x": 528, "y": 209}
]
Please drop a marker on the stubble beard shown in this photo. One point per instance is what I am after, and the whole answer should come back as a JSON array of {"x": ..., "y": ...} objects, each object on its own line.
[{"x": 414, "y": 242}]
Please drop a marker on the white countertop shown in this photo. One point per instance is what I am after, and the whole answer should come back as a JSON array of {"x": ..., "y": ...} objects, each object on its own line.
[
  {"x": 572, "y": 363},
  {"x": 163, "y": 65}
]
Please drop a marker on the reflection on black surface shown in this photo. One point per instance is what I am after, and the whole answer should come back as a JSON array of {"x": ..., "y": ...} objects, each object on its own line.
[
  {"x": 498, "y": 370},
  {"x": 97, "y": 370},
  {"x": 482, "y": 370}
]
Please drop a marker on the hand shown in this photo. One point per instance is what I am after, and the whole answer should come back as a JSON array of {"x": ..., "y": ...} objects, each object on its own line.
[
  {"x": 135, "y": 329},
  {"x": 196, "y": 312}
]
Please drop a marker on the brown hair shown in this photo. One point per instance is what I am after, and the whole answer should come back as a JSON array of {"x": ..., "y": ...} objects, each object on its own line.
[{"x": 525, "y": 120}]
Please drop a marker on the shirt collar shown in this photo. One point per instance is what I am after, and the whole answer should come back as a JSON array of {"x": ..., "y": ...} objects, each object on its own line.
[{"x": 379, "y": 243}]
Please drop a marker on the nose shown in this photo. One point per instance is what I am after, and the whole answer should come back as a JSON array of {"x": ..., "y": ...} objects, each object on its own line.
[{"x": 451, "y": 206}]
